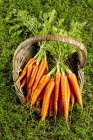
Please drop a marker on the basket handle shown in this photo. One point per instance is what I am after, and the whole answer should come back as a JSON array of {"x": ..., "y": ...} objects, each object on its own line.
[{"x": 60, "y": 38}]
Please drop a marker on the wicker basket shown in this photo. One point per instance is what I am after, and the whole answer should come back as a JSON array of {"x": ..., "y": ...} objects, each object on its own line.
[{"x": 28, "y": 49}]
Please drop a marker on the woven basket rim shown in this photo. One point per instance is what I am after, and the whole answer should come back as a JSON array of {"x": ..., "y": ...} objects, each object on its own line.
[{"x": 52, "y": 37}]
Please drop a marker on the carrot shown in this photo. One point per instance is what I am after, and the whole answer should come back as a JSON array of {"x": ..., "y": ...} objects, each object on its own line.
[
  {"x": 40, "y": 97},
  {"x": 74, "y": 83},
  {"x": 33, "y": 76},
  {"x": 23, "y": 82},
  {"x": 44, "y": 80},
  {"x": 68, "y": 93},
  {"x": 29, "y": 71},
  {"x": 29, "y": 62},
  {"x": 46, "y": 99},
  {"x": 40, "y": 73},
  {"x": 60, "y": 102},
  {"x": 72, "y": 98},
  {"x": 51, "y": 104},
  {"x": 64, "y": 95},
  {"x": 57, "y": 83},
  {"x": 24, "y": 71},
  {"x": 28, "y": 95}
]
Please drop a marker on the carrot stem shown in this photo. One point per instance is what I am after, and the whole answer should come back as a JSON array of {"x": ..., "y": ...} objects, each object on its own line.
[
  {"x": 66, "y": 68},
  {"x": 52, "y": 71}
]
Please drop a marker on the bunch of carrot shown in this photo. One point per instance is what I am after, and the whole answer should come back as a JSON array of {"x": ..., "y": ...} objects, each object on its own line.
[{"x": 55, "y": 91}]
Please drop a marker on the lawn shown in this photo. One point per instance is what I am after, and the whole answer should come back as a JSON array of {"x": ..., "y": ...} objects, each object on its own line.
[{"x": 18, "y": 122}]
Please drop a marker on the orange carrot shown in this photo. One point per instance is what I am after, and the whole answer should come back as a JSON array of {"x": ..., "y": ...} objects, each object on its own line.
[
  {"x": 57, "y": 83},
  {"x": 72, "y": 97},
  {"x": 51, "y": 104},
  {"x": 24, "y": 71},
  {"x": 40, "y": 97},
  {"x": 68, "y": 93},
  {"x": 29, "y": 71},
  {"x": 64, "y": 95},
  {"x": 33, "y": 76},
  {"x": 60, "y": 102},
  {"x": 23, "y": 82},
  {"x": 75, "y": 86},
  {"x": 40, "y": 73},
  {"x": 46, "y": 99},
  {"x": 29, "y": 62},
  {"x": 44, "y": 80}
]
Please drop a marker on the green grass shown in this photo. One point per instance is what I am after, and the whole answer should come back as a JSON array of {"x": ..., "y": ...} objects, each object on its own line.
[{"x": 16, "y": 121}]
